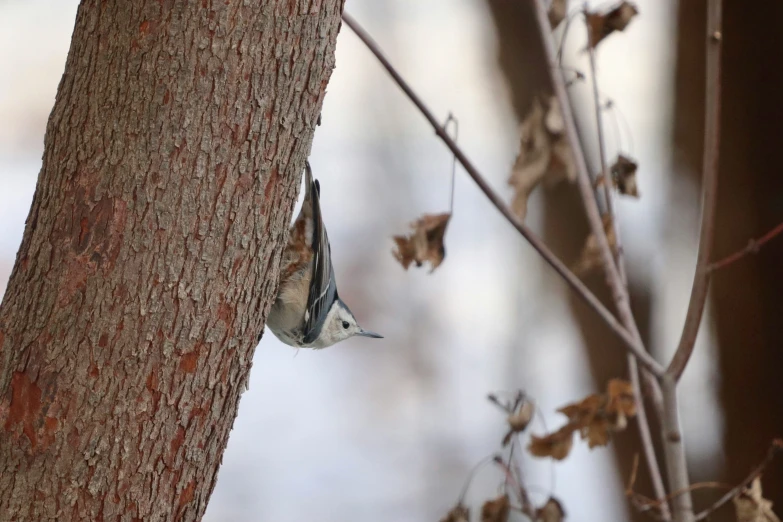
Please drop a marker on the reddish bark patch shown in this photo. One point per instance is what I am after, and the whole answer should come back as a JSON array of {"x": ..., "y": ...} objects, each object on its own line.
[
  {"x": 166, "y": 97},
  {"x": 270, "y": 185},
  {"x": 74, "y": 279},
  {"x": 225, "y": 313},
  {"x": 50, "y": 426},
  {"x": 152, "y": 382},
  {"x": 84, "y": 227},
  {"x": 74, "y": 440},
  {"x": 186, "y": 495},
  {"x": 92, "y": 233},
  {"x": 25, "y": 406},
  {"x": 234, "y": 269},
  {"x": 152, "y": 387},
  {"x": 187, "y": 363},
  {"x": 144, "y": 28},
  {"x": 245, "y": 181},
  {"x": 104, "y": 340},
  {"x": 176, "y": 444}
]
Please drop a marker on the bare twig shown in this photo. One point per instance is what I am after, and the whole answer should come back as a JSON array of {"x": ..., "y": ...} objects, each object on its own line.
[
  {"x": 527, "y": 507},
  {"x": 644, "y": 504},
  {"x": 602, "y": 155},
  {"x": 752, "y": 247},
  {"x": 632, "y": 479},
  {"x": 483, "y": 462},
  {"x": 674, "y": 452},
  {"x": 614, "y": 278},
  {"x": 774, "y": 449},
  {"x": 645, "y": 434},
  {"x": 452, "y": 119},
  {"x": 632, "y": 342},
  {"x": 701, "y": 281}
]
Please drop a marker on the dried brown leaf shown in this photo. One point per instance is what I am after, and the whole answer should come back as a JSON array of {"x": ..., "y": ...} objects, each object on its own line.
[
  {"x": 459, "y": 513},
  {"x": 582, "y": 412},
  {"x": 621, "y": 398},
  {"x": 597, "y": 416},
  {"x": 624, "y": 176},
  {"x": 496, "y": 510},
  {"x": 556, "y": 445},
  {"x": 563, "y": 165},
  {"x": 601, "y": 25},
  {"x": 533, "y": 159},
  {"x": 751, "y": 506},
  {"x": 544, "y": 153},
  {"x": 518, "y": 420},
  {"x": 557, "y": 12},
  {"x": 552, "y": 511},
  {"x": 590, "y": 258},
  {"x": 425, "y": 243},
  {"x": 588, "y": 415}
]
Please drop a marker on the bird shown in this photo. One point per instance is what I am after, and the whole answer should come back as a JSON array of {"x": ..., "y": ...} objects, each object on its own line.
[{"x": 308, "y": 312}]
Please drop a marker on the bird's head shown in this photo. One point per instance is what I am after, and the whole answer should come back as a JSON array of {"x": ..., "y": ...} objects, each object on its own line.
[{"x": 340, "y": 324}]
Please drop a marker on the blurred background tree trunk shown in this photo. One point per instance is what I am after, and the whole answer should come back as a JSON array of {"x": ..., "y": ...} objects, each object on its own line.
[
  {"x": 746, "y": 297},
  {"x": 150, "y": 255}
]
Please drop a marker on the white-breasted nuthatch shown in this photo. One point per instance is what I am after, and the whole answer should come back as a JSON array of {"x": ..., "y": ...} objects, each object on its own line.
[{"x": 307, "y": 312}]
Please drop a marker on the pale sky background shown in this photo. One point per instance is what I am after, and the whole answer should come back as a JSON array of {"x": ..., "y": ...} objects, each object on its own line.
[{"x": 389, "y": 430}]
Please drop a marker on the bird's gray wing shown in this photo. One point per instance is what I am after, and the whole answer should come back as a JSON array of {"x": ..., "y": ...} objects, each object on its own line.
[{"x": 323, "y": 291}]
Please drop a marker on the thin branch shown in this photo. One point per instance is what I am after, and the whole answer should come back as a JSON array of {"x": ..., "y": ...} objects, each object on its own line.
[
  {"x": 774, "y": 449},
  {"x": 602, "y": 155},
  {"x": 527, "y": 507},
  {"x": 614, "y": 279},
  {"x": 645, "y": 434},
  {"x": 701, "y": 281},
  {"x": 483, "y": 462},
  {"x": 618, "y": 290},
  {"x": 644, "y": 504},
  {"x": 452, "y": 119},
  {"x": 633, "y": 343},
  {"x": 674, "y": 452},
  {"x": 752, "y": 248}
]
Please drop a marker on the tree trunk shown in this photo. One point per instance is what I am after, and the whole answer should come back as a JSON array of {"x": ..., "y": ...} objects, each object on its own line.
[
  {"x": 746, "y": 296},
  {"x": 150, "y": 256}
]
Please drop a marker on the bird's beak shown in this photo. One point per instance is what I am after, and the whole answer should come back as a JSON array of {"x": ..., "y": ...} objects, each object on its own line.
[{"x": 365, "y": 333}]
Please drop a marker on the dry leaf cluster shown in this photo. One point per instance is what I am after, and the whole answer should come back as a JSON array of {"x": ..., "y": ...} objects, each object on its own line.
[
  {"x": 552, "y": 511},
  {"x": 496, "y": 510},
  {"x": 596, "y": 417},
  {"x": 458, "y": 514},
  {"x": 425, "y": 243},
  {"x": 544, "y": 152},
  {"x": 751, "y": 506},
  {"x": 590, "y": 257},
  {"x": 601, "y": 25},
  {"x": 520, "y": 413},
  {"x": 623, "y": 173}
]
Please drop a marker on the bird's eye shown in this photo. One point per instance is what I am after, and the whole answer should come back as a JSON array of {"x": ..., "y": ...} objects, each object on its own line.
[{"x": 346, "y": 324}]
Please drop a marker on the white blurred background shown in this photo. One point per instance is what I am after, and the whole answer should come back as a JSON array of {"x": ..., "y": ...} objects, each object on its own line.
[{"x": 389, "y": 430}]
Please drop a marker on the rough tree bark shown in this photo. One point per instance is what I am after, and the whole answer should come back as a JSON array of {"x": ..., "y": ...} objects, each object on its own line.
[{"x": 150, "y": 256}]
